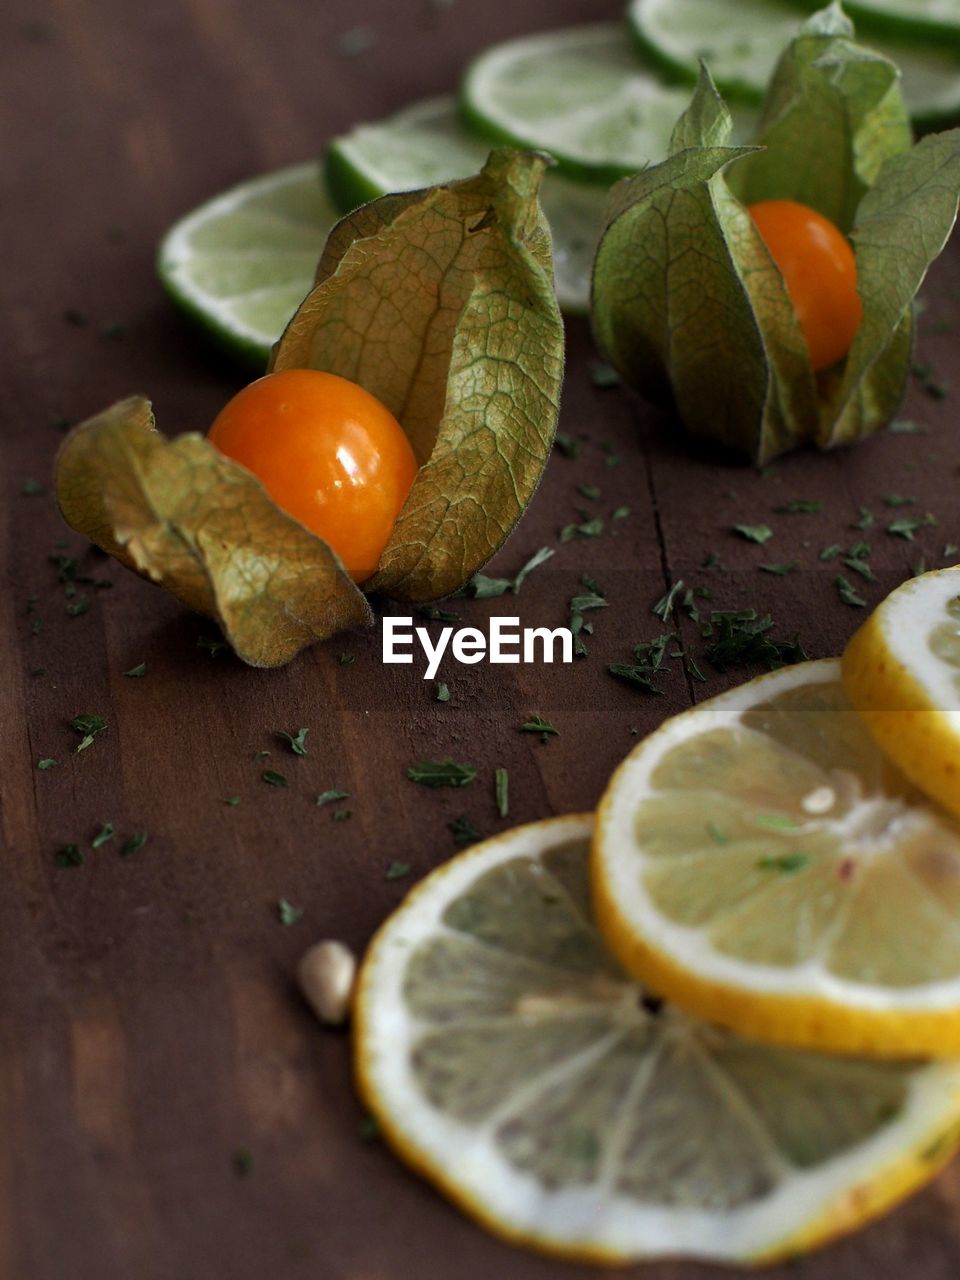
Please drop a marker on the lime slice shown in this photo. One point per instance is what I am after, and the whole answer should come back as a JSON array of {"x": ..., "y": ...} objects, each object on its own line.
[
  {"x": 580, "y": 94},
  {"x": 902, "y": 673},
  {"x": 242, "y": 263},
  {"x": 760, "y": 862},
  {"x": 920, "y": 19},
  {"x": 427, "y": 143},
  {"x": 741, "y": 40},
  {"x": 507, "y": 1057}
]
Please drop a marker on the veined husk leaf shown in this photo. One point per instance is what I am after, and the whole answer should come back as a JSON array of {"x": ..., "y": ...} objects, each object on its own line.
[
  {"x": 185, "y": 516},
  {"x": 832, "y": 117},
  {"x": 903, "y": 223},
  {"x": 439, "y": 302},
  {"x": 686, "y": 297}
]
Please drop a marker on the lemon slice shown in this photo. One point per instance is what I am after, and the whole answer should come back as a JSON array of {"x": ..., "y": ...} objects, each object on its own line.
[
  {"x": 508, "y": 1059},
  {"x": 758, "y": 861},
  {"x": 902, "y": 673},
  {"x": 242, "y": 263}
]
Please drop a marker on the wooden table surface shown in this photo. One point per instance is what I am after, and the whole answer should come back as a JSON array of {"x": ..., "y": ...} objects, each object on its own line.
[{"x": 168, "y": 1106}]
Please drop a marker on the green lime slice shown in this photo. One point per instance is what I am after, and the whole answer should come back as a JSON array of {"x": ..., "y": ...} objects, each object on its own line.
[
  {"x": 428, "y": 143},
  {"x": 741, "y": 40},
  {"x": 580, "y": 94},
  {"x": 242, "y": 263},
  {"x": 917, "y": 19}
]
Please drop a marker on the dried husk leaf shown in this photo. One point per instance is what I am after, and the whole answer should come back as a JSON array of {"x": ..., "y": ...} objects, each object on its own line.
[
  {"x": 183, "y": 515},
  {"x": 834, "y": 134},
  {"x": 441, "y": 303}
]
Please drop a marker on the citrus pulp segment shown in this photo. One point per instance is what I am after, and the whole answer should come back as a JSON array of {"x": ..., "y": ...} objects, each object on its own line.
[
  {"x": 741, "y": 40},
  {"x": 902, "y": 673},
  {"x": 242, "y": 263},
  {"x": 428, "y": 143},
  {"x": 508, "y": 1058},
  {"x": 759, "y": 861}
]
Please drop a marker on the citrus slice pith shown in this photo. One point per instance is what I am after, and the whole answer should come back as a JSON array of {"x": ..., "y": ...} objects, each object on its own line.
[
  {"x": 901, "y": 671},
  {"x": 759, "y": 861},
  {"x": 508, "y": 1059}
]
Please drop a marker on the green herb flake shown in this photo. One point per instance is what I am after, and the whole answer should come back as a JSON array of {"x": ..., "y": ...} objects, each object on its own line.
[
  {"x": 397, "y": 871},
  {"x": 288, "y": 913},
  {"x": 619, "y": 513},
  {"x": 694, "y": 670},
  {"x": 759, "y": 533},
  {"x": 716, "y": 835},
  {"x": 105, "y": 833},
  {"x": 274, "y": 779},
  {"x": 328, "y": 797},
  {"x": 603, "y": 376},
  {"x": 950, "y": 550},
  {"x": 297, "y": 742},
  {"x": 78, "y": 607},
  {"x": 441, "y": 773},
  {"x": 588, "y": 529},
  {"x": 800, "y": 506},
  {"x": 847, "y": 593},
  {"x": 865, "y": 520},
  {"x": 536, "y": 560},
  {"x": 588, "y": 491},
  {"x": 831, "y": 552},
  {"x": 930, "y": 384},
  {"x": 665, "y": 605},
  {"x": 212, "y": 645},
  {"x": 133, "y": 844},
  {"x": 537, "y": 724},
  {"x": 46, "y": 763},
  {"x": 346, "y": 659},
  {"x": 898, "y": 500},
  {"x": 232, "y": 801},
  {"x": 342, "y": 815},
  {"x": 907, "y": 526},
  {"x": 261, "y": 754},
  {"x": 71, "y": 855},
  {"x": 566, "y": 445},
  {"x": 463, "y": 831},
  {"x": 32, "y": 489},
  {"x": 740, "y": 637},
  {"x": 136, "y": 672},
  {"x": 858, "y": 565},
  {"x": 441, "y": 691},
  {"x": 88, "y": 724},
  {"x": 789, "y": 863},
  {"x": 501, "y": 781},
  {"x": 780, "y": 570}
]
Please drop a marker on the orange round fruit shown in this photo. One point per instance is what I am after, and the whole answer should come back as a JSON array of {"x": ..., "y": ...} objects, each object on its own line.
[
  {"x": 820, "y": 273},
  {"x": 328, "y": 452}
]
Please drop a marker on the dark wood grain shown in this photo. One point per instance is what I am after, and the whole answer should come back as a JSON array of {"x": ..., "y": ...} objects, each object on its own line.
[{"x": 149, "y": 1027}]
